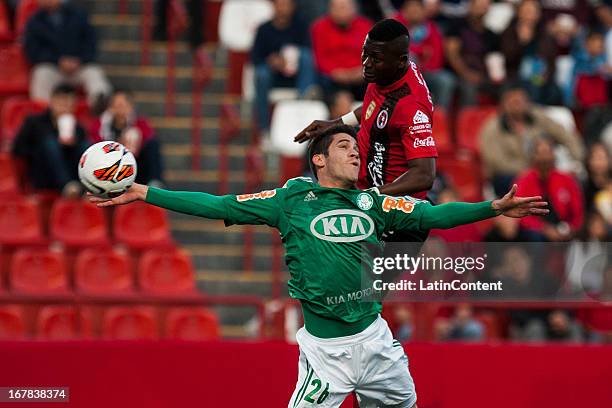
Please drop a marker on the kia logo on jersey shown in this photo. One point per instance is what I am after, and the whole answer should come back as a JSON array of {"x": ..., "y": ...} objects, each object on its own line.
[
  {"x": 382, "y": 119},
  {"x": 342, "y": 226}
]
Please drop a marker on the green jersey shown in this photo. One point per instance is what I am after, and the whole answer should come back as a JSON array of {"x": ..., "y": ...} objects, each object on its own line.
[{"x": 323, "y": 231}]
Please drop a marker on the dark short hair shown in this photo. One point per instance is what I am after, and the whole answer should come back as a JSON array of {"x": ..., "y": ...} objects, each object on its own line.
[
  {"x": 64, "y": 89},
  {"x": 387, "y": 30},
  {"x": 320, "y": 145},
  {"x": 511, "y": 86}
]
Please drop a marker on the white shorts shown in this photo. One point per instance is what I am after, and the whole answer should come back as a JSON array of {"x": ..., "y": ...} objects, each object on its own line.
[{"x": 370, "y": 363}]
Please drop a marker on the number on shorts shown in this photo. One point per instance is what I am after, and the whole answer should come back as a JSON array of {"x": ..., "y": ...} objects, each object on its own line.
[{"x": 310, "y": 396}]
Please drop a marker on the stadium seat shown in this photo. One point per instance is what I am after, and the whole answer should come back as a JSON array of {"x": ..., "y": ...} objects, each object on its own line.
[
  {"x": 62, "y": 323},
  {"x": 25, "y": 9},
  {"x": 14, "y": 111},
  {"x": 38, "y": 272},
  {"x": 6, "y": 34},
  {"x": 130, "y": 323},
  {"x": 78, "y": 223},
  {"x": 20, "y": 222},
  {"x": 499, "y": 16},
  {"x": 14, "y": 71},
  {"x": 441, "y": 133},
  {"x": 12, "y": 322},
  {"x": 190, "y": 323},
  {"x": 469, "y": 124},
  {"x": 166, "y": 273},
  {"x": 289, "y": 118},
  {"x": 465, "y": 175},
  {"x": 140, "y": 225},
  {"x": 99, "y": 272},
  {"x": 9, "y": 181},
  {"x": 248, "y": 15}
]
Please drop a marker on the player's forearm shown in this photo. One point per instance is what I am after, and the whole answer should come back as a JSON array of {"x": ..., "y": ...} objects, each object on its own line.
[
  {"x": 199, "y": 204},
  {"x": 419, "y": 178},
  {"x": 450, "y": 215}
]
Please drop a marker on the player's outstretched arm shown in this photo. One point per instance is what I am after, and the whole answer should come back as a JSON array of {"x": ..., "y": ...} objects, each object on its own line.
[
  {"x": 450, "y": 215},
  {"x": 317, "y": 127},
  {"x": 256, "y": 209}
]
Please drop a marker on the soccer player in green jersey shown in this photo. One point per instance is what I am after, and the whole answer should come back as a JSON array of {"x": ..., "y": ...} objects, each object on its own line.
[{"x": 345, "y": 346}]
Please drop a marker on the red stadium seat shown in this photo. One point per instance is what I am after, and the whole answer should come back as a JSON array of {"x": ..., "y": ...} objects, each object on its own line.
[
  {"x": 465, "y": 175},
  {"x": 166, "y": 272},
  {"x": 14, "y": 111},
  {"x": 38, "y": 272},
  {"x": 103, "y": 272},
  {"x": 20, "y": 222},
  {"x": 14, "y": 71},
  {"x": 140, "y": 225},
  {"x": 78, "y": 223},
  {"x": 62, "y": 323},
  {"x": 130, "y": 323},
  {"x": 441, "y": 133},
  {"x": 469, "y": 125},
  {"x": 9, "y": 181},
  {"x": 12, "y": 322},
  {"x": 6, "y": 34},
  {"x": 25, "y": 10},
  {"x": 189, "y": 323}
]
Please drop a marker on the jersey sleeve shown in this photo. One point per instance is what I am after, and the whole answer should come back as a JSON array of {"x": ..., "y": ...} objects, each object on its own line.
[
  {"x": 415, "y": 126},
  {"x": 407, "y": 213},
  {"x": 263, "y": 208}
]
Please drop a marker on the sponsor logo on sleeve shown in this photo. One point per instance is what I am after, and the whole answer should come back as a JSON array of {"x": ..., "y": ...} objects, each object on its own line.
[
  {"x": 427, "y": 142},
  {"x": 420, "y": 117},
  {"x": 400, "y": 204},
  {"x": 256, "y": 196}
]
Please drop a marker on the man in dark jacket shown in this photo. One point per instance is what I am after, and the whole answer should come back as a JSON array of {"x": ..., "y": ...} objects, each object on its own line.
[
  {"x": 51, "y": 144},
  {"x": 61, "y": 45}
]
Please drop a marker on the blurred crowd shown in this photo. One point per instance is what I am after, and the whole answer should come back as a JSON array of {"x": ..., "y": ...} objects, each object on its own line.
[{"x": 60, "y": 44}]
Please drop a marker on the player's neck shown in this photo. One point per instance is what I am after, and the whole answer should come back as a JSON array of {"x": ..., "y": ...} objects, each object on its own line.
[
  {"x": 395, "y": 79},
  {"x": 332, "y": 182}
]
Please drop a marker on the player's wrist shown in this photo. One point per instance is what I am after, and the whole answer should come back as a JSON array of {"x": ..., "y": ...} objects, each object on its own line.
[
  {"x": 349, "y": 119},
  {"x": 496, "y": 206}
]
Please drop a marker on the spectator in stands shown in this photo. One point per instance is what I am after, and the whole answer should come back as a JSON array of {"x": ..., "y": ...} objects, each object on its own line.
[
  {"x": 522, "y": 36},
  {"x": 51, "y": 144},
  {"x": 560, "y": 190},
  {"x": 599, "y": 170},
  {"x": 281, "y": 56},
  {"x": 61, "y": 44},
  {"x": 445, "y": 12},
  {"x": 121, "y": 123},
  {"x": 592, "y": 69},
  {"x": 336, "y": 41},
  {"x": 404, "y": 323},
  {"x": 427, "y": 50},
  {"x": 462, "y": 326},
  {"x": 561, "y": 327},
  {"x": 342, "y": 103},
  {"x": 468, "y": 43},
  {"x": 504, "y": 137},
  {"x": 194, "y": 10},
  {"x": 579, "y": 9}
]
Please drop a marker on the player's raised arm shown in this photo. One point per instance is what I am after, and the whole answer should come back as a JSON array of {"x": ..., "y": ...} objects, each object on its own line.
[
  {"x": 317, "y": 127},
  {"x": 263, "y": 207}
]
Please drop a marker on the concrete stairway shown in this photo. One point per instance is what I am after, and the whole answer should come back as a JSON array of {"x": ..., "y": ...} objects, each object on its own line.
[{"x": 217, "y": 251}]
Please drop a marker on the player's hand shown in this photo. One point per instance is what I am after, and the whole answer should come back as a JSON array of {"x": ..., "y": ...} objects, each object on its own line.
[
  {"x": 135, "y": 193},
  {"x": 518, "y": 207},
  {"x": 315, "y": 129}
]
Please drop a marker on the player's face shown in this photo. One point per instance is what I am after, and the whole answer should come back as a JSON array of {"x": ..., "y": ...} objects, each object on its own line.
[
  {"x": 380, "y": 62},
  {"x": 342, "y": 161}
]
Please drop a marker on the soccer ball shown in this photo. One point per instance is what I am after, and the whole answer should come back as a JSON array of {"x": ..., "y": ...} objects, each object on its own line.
[{"x": 107, "y": 169}]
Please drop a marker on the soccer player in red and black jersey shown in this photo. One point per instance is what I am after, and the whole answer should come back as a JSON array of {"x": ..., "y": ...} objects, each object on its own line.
[{"x": 395, "y": 138}]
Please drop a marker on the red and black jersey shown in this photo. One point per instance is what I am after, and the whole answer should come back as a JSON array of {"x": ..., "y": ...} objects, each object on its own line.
[{"x": 396, "y": 126}]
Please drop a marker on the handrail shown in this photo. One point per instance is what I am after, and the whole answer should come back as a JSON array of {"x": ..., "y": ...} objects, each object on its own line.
[{"x": 147, "y": 18}]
